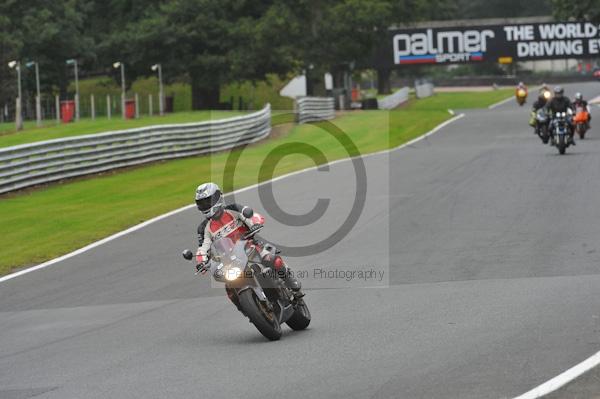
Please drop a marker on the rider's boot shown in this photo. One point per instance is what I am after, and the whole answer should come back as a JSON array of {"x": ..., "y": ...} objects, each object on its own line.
[
  {"x": 290, "y": 281},
  {"x": 286, "y": 274},
  {"x": 276, "y": 263},
  {"x": 293, "y": 284}
]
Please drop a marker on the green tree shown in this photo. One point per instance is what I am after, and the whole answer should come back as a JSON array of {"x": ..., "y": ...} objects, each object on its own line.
[
  {"x": 333, "y": 35},
  {"x": 116, "y": 28},
  {"x": 52, "y": 32},
  {"x": 472, "y": 9},
  {"x": 10, "y": 46},
  {"x": 212, "y": 42},
  {"x": 585, "y": 10},
  {"x": 337, "y": 35}
]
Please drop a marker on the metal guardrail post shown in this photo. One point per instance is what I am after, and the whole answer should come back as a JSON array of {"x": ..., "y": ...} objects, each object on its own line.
[
  {"x": 108, "y": 108},
  {"x": 92, "y": 107},
  {"x": 57, "y": 105}
]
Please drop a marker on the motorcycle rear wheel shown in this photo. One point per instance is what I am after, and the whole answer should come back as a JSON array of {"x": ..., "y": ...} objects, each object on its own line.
[
  {"x": 301, "y": 317},
  {"x": 263, "y": 319}
]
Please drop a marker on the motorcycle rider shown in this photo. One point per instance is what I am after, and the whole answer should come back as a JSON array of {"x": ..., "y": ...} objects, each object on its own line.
[
  {"x": 537, "y": 105},
  {"x": 561, "y": 103},
  {"x": 228, "y": 221},
  {"x": 545, "y": 90},
  {"x": 580, "y": 102},
  {"x": 521, "y": 87},
  {"x": 540, "y": 102}
]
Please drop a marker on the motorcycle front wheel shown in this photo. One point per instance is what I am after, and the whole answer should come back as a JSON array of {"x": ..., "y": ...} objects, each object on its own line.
[
  {"x": 301, "y": 317},
  {"x": 264, "y": 319},
  {"x": 562, "y": 144},
  {"x": 544, "y": 134}
]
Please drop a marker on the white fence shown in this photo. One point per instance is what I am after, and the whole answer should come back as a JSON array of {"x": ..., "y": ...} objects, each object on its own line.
[
  {"x": 424, "y": 90},
  {"x": 310, "y": 109},
  {"x": 37, "y": 163},
  {"x": 393, "y": 100}
]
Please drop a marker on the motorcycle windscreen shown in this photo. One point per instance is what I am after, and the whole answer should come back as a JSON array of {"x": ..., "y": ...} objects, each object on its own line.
[
  {"x": 225, "y": 250},
  {"x": 239, "y": 251},
  {"x": 221, "y": 248}
]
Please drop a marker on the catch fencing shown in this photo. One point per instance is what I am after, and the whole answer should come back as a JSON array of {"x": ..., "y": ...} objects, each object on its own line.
[
  {"x": 38, "y": 163},
  {"x": 394, "y": 100},
  {"x": 312, "y": 109}
]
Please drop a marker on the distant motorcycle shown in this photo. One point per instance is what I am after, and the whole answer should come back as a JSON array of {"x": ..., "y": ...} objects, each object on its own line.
[
  {"x": 560, "y": 130},
  {"x": 521, "y": 96},
  {"x": 252, "y": 287},
  {"x": 581, "y": 121}
]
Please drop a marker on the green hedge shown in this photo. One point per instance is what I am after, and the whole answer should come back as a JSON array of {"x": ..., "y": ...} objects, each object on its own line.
[{"x": 247, "y": 94}]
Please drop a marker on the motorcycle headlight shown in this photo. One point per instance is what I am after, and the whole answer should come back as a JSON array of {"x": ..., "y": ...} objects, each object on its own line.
[{"x": 232, "y": 273}]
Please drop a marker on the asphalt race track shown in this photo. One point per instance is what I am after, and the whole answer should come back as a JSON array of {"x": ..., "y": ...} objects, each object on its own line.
[{"x": 490, "y": 244}]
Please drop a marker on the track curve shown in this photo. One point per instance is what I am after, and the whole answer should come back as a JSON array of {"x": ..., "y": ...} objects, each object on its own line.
[{"x": 492, "y": 242}]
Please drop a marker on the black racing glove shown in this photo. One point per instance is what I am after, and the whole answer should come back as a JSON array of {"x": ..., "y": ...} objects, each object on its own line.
[
  {"x": 202, "y": 267},
  {"x": 253, "y": 229}
]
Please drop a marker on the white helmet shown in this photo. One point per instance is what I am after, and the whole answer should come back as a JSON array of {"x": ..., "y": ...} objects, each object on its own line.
[
  {"x": 579, "y": 96},
  {"x": 209, "y": 199}
]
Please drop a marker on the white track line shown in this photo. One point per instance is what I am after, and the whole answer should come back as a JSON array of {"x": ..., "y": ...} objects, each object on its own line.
[
  {"x": 499, "y": 103},
  {"x": 166, "y": 215},
  {"x": 562, "y": 379}
]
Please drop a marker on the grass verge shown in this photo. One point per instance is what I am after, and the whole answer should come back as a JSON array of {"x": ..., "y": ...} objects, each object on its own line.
[
  {"x": 41, "y": 224},
  {"x": 463, "y": 100}
]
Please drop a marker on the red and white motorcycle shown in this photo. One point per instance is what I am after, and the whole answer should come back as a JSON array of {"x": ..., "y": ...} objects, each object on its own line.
[{"x": 254, "y": 288}]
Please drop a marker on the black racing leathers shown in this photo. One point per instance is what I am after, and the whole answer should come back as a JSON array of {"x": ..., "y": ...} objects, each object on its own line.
[
  {"x": 558, "y": 104},
  {"x": 539, "y": 103},
  {"x": 562, "y": 104}
]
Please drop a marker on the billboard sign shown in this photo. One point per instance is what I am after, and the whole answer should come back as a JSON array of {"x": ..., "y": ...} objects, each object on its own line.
[{"x": 493, "y": 43}]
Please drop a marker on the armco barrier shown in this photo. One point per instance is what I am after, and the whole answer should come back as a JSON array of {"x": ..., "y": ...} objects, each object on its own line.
[
  {"x": 424, "y": 90},
  {"x": 37, "y": 163},
  {"x": 310, "y": 109},
  {"x": 392, "y": 101}
]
